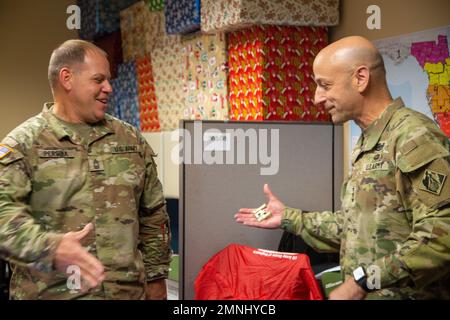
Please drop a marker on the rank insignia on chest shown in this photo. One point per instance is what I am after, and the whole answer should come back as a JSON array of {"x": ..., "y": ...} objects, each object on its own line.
[
  {"x": 4, "y": 151},
  {"x": 96, "y": 165},
  {"x": 432, "y": 182},
  {"x": 379, "y": 147}
]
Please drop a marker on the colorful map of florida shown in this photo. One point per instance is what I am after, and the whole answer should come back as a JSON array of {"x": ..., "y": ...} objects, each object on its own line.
[{"x": 434, "y": 59}]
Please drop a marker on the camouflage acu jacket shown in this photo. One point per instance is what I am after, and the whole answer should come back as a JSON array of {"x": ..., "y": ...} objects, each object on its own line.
[
  {"x": 395, "y": 215},
  {"x": 51, "y": 184}
]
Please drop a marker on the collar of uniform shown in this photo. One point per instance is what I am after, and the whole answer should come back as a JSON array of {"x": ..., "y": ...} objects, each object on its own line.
[
  {"x": 373, "y": 132},
  {"x": 55, "y": 125},
  {"x": 101, "y": 129},
  {"x": 357, "y": 149}
]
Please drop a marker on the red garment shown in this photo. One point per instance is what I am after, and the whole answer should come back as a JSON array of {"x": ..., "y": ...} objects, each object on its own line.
[{"x": 246, "y": 273}]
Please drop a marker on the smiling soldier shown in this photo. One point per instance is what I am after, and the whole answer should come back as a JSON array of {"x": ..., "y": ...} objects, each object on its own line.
[{"x": 80, "y": 188}]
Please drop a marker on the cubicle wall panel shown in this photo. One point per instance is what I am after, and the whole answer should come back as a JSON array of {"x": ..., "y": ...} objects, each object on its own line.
[{"x": 210, "y": 194}]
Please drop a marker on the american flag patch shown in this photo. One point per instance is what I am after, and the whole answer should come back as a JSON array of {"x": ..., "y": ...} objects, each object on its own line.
[{"x": 4, "y": 151}]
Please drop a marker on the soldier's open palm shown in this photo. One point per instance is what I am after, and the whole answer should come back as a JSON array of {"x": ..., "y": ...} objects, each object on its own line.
[{"x": 246, "y": 215}]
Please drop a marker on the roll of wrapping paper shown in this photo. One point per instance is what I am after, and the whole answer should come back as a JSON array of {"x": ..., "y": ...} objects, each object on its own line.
[
  {"x": 270, "y": 73},
  {"x": 229, "y": 15},
  {"x": 149, "y": 119},
  {"x": 125, "y": 100},
  {"x": 141, "y": 30},
  {"x": 167, "y": 64},
  {"x": 182, "y": 16},
  {"x": 205, "y": 77},
  {"x": 100, "y": 17},
  {"x": 114, "y": 98}
]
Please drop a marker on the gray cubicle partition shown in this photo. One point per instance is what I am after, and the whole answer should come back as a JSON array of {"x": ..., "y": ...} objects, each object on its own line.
[{"x": 309, "y": 176}]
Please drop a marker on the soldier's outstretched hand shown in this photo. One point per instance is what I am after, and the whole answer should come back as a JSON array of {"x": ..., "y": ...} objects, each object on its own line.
[
  {"x": 70, "y": 252},
  {"x": 246, "y": 216}
]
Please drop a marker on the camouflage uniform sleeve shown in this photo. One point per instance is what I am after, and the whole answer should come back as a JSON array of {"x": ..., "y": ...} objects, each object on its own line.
[
  {"x": 425, "y": 188},
  {"x": 23, "y": 240},
  {"x": 320, "y": 230},
  {"x": 154, "y": 226}
]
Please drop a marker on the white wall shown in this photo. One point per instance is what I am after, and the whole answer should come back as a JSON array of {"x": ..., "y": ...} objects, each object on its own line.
[{"x": 168, "y": 171}]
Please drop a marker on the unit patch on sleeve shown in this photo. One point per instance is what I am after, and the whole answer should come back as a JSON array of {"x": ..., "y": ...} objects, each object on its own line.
[{"x": 432, "y": 181}]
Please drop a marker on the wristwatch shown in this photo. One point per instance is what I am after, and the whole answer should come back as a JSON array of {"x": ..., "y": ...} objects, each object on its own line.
[{"x": 360, "y": 276}]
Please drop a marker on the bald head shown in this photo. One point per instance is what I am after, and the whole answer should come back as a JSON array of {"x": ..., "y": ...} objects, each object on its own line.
[
  {"x": 351, "y": 81},
  {"x": 352, "y": 52}
]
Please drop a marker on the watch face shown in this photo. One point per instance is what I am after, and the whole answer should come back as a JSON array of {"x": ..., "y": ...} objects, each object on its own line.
[{"x": 359, "y": 273}]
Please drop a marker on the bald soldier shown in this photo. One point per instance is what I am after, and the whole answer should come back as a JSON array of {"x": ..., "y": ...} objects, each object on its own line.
[
  {"x": 82, "y": 212},
  {"x": 393, "y": 230}
]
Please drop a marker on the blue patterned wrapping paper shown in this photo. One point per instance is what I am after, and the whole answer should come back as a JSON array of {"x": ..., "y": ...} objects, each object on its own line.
[
  {"x": 100, "y": 17},
  {"x": 129, "y": 99},
  {"x": 124, "y": 100},
  {"x": 182, "y": 16},
  {"x": 114, "y": 99}
]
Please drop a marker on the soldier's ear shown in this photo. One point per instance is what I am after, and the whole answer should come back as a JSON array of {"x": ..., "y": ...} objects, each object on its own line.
[
  {"x": 361, "y": 78},
  {"x": 65, "y": 78}
]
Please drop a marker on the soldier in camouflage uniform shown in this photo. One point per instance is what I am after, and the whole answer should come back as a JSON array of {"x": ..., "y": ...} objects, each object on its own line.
[
  {"x": 394, "y": 224},
  {"x": 80, "y": 188}
]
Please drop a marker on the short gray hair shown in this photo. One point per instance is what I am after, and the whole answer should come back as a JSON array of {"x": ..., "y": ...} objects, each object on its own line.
[{"x": 69, "y": 53}]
